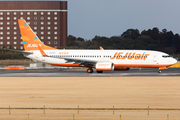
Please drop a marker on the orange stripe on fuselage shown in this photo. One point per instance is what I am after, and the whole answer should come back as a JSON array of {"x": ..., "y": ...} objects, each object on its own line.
[
  {"x": 69, "y": 65},
  {"x": 115, "y": 65}
]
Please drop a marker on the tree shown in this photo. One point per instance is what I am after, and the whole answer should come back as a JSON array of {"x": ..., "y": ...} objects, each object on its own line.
[{"x": 130, "y": 33}]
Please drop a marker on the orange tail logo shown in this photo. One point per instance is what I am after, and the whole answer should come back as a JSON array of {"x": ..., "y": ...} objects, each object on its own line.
[{"x": 29, "y": 38}]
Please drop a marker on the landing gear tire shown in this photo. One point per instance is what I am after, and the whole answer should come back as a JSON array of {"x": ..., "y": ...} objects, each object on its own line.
[
  {"x": 159, "y": 71},
  {"x": 99, "y": 71},
  {"x": 89, "y": 70}
]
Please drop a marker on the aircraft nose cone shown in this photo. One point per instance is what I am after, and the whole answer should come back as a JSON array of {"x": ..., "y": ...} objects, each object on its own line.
[{"x": 173, "y": 61}]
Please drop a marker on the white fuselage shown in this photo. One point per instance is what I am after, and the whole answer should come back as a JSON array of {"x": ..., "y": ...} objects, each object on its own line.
[{"x": 120, "y": 58}]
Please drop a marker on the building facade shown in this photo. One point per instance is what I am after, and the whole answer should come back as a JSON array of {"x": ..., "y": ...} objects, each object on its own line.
[{"x": 48, "y": 19}]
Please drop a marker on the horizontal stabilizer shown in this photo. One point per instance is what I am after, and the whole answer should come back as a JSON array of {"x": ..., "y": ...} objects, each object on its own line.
[{"x": 27, "y": 52}]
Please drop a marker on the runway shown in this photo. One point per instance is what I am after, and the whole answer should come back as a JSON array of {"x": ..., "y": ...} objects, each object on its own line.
[{"x": 82, "y": 73}]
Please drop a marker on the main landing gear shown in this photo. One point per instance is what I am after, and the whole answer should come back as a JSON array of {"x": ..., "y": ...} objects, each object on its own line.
[
  {"x": 89, "y": 70},
  {"x": 159, "y": 71}
]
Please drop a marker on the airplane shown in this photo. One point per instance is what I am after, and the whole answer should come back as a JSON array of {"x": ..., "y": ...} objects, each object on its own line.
[{"x": 100, "y": 60}]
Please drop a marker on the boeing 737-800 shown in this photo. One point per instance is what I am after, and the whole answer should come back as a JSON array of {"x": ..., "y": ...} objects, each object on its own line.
[{"x": 101, "y": 60}]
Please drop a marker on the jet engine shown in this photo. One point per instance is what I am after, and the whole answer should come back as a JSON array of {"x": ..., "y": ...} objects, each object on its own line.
[{"x": 105, "y": 66}]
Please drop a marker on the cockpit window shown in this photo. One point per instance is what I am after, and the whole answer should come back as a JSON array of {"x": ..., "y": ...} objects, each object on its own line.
[{"x": 166, "y": 56}]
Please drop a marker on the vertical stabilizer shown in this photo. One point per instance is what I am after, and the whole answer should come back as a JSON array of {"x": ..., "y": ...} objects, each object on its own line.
[{"x": 30, "y": 39}]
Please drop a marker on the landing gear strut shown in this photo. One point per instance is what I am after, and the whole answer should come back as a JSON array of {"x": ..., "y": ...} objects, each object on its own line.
[{"x": 89, "y": 70}]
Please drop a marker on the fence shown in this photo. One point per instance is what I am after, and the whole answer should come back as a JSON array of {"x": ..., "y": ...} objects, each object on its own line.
[{"x": 82, "y": 114}]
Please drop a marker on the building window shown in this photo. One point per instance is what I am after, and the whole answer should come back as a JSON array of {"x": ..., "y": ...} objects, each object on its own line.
[
  {"x": 1, "y": 18},
  {"x": 55, "y": 13},
  {"x": 8, "y": 33},
  {"x": 8, "y": 18},
  {"x": 35, "y": 28},
  {"x": 55, "y": 46},
  {"x": 49, "y": 37},
  {"x": 21, "y": 47},
  {"x": 42, "y": 28},
  {"x": 28, "y": 13},
  {"x": 42, "y": 18},
  {"x": 55, "y": 18},
  {"x": 21, "y": 17},
  {"x": 55, "y": 33},
  {"x": 8, "y": 23},
  {"x": 28, "y": 18},
  {"x": 1, "y": 28},
  {"x": 1, "y": 23},
  {"x": 48, "y": 13},
  {"x": 8, "y": 42},
  {"x": 49, "y": 18},
  {"x": 48, "y": 23},
  {"x": 15, "y": 42},
  {"x": 35, "y": 23},
  {"x": 15, "y": 18},
  {"x": 8, "y": 13},
  {"x": 48, "y": 32},
  {"x": 1, "y": 43},
  {"x": 14, "y": 28},
  {"x": 35, "y": 13},
  {"x": 42, "y": 13},
  {"x": 8, "y": 38},
  {"x": 14, "y": 13},
  {"x": 28, "y": 23},
  {"x": 55, "y": 28},
  {"x": 15, "y": 33},
  {"x": 49, "y": 42},
  {"x": 48, "y": 28},
  {"x": 55, "y": 23},
  {"x": 15, "y": 23},
  {"x": 21, "y": 42},
  {"x": 1, "y": 38},
  {"x": 15, "y": 37},
  {"x": 42, "y": 23},
  {"x": 1, "y": 33},
  {"x": 42, "y": 37},
  {"x": 15, "y": 47},
  {"x": 8, "y": 28},
  {"x": 42, "y": 32},
  {"x": 21, "y": 13},
  {"x": 35, "y": 33},
  {"x": 55, "y": 42},
  {"x": 35, "y": 18},
  {"x": 55, "y": 37},
  {"x": 1, "y": 13}
]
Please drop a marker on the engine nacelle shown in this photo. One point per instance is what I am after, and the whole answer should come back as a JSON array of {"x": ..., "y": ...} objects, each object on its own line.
[
  {"x": 104, "y": 66},
  {"x": 121, "y": 69}
]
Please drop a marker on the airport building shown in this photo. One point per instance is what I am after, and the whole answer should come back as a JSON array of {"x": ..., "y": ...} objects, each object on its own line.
[{"x": 48, "y": 19}]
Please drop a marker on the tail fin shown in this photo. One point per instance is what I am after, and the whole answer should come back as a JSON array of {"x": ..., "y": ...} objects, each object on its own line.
[{"x": 29, "y": 38}]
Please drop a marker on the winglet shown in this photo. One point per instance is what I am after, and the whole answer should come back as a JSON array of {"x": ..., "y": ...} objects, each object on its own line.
[
  {"x": 42, "y": 52},
  {"x": 101, "y": 48}
]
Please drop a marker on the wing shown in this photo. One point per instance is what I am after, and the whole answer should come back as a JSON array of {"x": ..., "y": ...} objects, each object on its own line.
[{"x": 76, "y": 61}]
